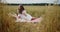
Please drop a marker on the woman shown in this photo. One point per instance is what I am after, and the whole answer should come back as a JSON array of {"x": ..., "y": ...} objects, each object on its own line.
[{"x": 23, "y": 16}]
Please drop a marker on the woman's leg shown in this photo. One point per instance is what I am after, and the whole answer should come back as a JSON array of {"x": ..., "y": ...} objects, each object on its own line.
[{"x": 37, "y": 19}]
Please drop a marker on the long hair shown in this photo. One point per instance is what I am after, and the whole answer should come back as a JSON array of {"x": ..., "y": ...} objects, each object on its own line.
[{"x": 21, "y": 9}]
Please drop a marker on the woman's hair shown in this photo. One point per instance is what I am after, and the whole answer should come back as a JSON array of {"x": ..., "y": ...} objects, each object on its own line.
[{"x": 21, "y": 9}]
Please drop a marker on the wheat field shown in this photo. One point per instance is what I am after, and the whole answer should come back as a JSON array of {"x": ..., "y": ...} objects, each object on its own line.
[{"x": 50, "y": 23}]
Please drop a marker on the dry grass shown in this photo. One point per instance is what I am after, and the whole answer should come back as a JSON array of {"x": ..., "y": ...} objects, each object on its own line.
[{"x": 49, "y": 24}]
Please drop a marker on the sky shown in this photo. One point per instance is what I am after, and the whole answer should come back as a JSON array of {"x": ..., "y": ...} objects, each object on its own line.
[{"x": 29, "y": 1}]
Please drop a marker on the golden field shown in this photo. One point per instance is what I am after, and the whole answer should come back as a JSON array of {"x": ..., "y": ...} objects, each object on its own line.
[{"x": 50, "y": 23}]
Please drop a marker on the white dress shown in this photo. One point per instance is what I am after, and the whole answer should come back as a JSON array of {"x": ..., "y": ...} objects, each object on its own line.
[{"x": 23, "y": 17}]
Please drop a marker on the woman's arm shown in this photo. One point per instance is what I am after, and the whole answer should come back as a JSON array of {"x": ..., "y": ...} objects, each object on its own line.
[{"x": 13, "y": 15}]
